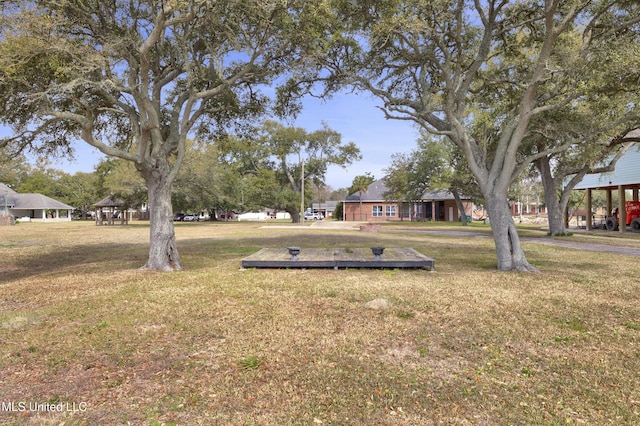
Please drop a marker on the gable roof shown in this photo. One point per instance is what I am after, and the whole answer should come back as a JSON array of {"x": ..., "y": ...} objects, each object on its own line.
[
  {"x": 7, "y": 196},
  {"x": 375, "y": 192},
  {"x": 39, "y": 202},
  {"x": 109, "y": 202},
  {"x": 6, "y": 189},
  {"x": 29, "y": 201},
  {"x": 626, "y": 172}
]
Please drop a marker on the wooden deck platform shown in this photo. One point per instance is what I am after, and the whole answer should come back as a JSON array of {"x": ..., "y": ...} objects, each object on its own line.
[{"x": 339, "y": 258}]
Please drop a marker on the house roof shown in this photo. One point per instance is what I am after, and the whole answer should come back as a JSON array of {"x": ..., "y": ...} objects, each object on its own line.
[
  {"x": 39, "y": 202},
  {"x": 328, "y": 205},
  {"x": 626, "y": 172},
  {"x": 29, "y": 201},
  {"x": 109, "y": 202},
  {"x": 375, "y": 192},
  {"x": 7, "y": 196},
  {"x": 6, "y": 189}
]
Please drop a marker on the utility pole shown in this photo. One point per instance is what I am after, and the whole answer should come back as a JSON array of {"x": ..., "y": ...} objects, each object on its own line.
[{"x": 301, "y": 188}]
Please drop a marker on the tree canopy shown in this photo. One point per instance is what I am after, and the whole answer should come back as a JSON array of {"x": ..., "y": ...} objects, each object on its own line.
[
  {"x": 434, "y": 165},
  {"x": 136, "y": 78},
  {"x": 278, "y": 162},
  {"x": 478, "y": 73}
]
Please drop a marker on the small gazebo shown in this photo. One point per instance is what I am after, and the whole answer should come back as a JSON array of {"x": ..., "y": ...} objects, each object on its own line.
[{"x": 109, "y": 210}]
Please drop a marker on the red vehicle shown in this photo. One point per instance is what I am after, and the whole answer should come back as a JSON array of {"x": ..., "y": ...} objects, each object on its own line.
[{"x": 632, "y": 209}]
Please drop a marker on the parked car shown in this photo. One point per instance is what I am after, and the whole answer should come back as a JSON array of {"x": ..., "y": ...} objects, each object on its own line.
[
  {"x": 191, "y": 218},
  {"x": 313, "y": 216},
  {"x": 178, "y": 217}
]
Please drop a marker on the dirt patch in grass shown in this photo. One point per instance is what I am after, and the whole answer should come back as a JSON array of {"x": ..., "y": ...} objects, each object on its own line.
[{"x": 214, "y": 344}]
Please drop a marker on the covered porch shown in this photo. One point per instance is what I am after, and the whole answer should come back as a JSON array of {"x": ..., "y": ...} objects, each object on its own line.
[{"x": 624, "y": 180}]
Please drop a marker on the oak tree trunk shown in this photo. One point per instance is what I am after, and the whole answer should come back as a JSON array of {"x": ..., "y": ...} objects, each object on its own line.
[
  {"x": 554, "y": 208},
  {"x": 460, "y": 205},
  {"x": 508, "y": 249},
  {"x": 163, "y": 251},
  {"x": 295, "y": 215},
  {"x": 555, "y": 214}
]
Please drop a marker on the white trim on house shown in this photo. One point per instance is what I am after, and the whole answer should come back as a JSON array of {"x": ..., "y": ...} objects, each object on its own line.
[
  {"x": 33, "y": 207},
  {"x": 626, "y": 172}
]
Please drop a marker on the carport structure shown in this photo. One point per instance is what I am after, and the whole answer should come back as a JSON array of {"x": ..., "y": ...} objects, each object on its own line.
[{"x": 625, "y": 177}]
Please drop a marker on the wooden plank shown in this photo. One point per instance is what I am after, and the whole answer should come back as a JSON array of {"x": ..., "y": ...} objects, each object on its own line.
[
  {"x": 280, "y": 258},
  {"x": 392, "y": 258}
]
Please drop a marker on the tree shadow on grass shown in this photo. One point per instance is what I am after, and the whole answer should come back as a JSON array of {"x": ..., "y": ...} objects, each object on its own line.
[
  {"x": 203, "y": 252},
  {"x": 78, "y": 259}
]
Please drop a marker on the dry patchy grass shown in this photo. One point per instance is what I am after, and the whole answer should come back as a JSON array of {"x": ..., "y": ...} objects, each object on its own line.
[{"x": 215, "y": 344}]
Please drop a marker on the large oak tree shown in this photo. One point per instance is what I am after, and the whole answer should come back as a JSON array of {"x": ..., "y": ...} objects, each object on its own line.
[
  {"x": 302, "y": 157},
  {"x": 135, "y": 78},
  {"x": 478, "y": 72}
]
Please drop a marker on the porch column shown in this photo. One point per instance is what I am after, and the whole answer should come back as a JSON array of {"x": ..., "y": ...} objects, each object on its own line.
[
  {"x": 433, "y": 210},
  {"x": 609, "y": 202},
  {"x": 589, "y": 207},
  {"x": 622, "y": 214}
]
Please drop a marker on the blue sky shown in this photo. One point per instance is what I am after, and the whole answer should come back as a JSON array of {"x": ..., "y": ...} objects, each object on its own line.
[
  {"x": 358, "y": 120},
  {"x": 354, "y": 116}
]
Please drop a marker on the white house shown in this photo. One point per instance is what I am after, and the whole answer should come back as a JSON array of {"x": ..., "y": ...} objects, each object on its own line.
[
  {"x": 625, "y": 177},
  {"x": 32, "y": 207}
]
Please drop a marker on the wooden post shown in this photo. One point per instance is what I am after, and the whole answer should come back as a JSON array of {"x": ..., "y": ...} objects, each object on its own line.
[
  {"x": 589, "y": 207},
  {"x": 622, "y": 214}
]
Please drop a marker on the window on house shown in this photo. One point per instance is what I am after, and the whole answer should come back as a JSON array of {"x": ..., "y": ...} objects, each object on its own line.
[
  {"x": 376, "y": 211},
  {"x": 391, "y": 211}
]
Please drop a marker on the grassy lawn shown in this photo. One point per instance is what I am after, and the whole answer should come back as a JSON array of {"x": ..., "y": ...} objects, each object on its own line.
[{"x": 83, "y": 330}]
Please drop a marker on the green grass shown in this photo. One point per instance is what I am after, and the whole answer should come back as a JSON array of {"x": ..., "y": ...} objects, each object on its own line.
[
  {"x": 250, "y": 362},
  {"x": 215, "y": 344}
]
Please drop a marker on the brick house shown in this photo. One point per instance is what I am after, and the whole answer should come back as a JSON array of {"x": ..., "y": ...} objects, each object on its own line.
[{"x": 371, "y": 206}]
